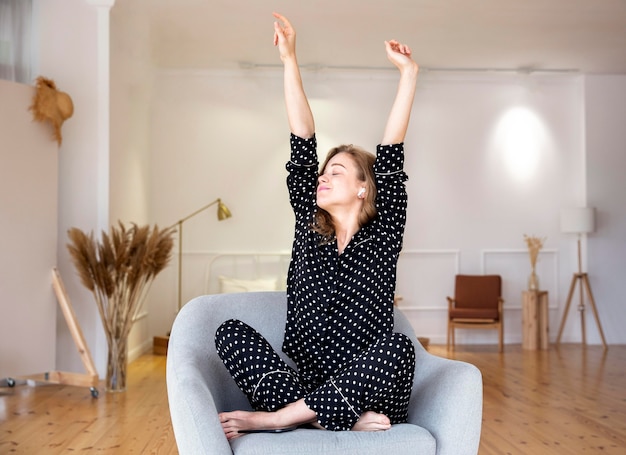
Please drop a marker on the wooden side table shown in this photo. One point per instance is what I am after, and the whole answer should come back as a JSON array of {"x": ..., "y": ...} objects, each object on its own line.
[{"x": 535, "y": 320}]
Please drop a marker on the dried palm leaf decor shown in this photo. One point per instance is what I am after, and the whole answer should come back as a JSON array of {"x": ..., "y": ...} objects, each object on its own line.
[{"x": 118, "y": 270}]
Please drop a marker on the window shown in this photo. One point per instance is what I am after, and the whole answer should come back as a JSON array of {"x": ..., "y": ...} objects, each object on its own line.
[{"x": 16, "y": 40}]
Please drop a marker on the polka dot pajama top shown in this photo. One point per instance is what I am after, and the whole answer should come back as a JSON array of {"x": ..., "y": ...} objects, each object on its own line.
[{"x": 339, "y": 304}]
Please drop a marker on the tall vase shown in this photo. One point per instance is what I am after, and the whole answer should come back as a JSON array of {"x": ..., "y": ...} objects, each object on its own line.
[
  {"x": 533, "y": 281},
  {"x": 117, "y": 363}
]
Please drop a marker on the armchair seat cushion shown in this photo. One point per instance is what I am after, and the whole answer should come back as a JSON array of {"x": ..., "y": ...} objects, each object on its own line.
[
  {"x": 400, "y": 439},
  {"x": 474, "y": 313}
]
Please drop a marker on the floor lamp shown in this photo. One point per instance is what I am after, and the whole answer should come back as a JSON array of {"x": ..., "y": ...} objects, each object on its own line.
[
  {"x": 579, "y": 221},
  {"x": 222, "y": 214}
]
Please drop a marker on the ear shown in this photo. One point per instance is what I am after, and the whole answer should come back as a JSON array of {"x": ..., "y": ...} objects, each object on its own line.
[{"x": 361, "y": 192}]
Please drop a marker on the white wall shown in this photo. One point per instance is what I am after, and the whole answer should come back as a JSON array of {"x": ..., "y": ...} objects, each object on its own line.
[
  {"x": 28, "y": 236},
  {"x": 131, "y": 91},
  {"x": 606, "y": 162},
  {"x": 225, "y": 134},
  {"x": 69, "y": 54},
  {"x": 497, "y": 157}
]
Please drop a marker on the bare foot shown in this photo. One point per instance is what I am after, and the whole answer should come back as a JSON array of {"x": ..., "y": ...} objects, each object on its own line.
[
  {"x": 292, "y": 415},
  {"x": 233, "y": 422},
  {"x": 372, "y": 421}
]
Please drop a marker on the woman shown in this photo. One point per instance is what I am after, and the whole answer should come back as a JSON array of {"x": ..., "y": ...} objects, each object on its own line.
[{"x": 353, "y": 372}]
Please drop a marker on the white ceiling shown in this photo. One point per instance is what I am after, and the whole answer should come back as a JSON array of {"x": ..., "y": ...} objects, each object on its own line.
[{"x": 529, "y": 35}]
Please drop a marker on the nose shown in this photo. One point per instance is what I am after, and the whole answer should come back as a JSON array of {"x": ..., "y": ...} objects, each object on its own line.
[{"x": 321, "y": 179}]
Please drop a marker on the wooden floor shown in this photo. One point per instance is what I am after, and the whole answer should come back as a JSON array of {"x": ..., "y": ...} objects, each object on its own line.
[
  {"x": 569, "y": 400},
  {"x": 55, "y": 419}
]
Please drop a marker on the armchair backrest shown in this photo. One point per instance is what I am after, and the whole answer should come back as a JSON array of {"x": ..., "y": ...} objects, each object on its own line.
[{"x": 477, "y": 291}]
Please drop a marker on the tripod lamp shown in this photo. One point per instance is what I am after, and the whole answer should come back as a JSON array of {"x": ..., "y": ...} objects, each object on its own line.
[
  {"x": 580, "y": 221},
  {"x": 222, "y": 214}
]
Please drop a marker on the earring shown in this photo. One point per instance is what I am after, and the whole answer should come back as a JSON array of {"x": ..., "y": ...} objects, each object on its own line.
[{"x": 361, "y": 192}]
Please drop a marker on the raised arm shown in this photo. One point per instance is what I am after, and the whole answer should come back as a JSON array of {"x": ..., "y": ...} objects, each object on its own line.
[
  {"x": 398, "y": 120},
  {"x": 299, "y": 112}
]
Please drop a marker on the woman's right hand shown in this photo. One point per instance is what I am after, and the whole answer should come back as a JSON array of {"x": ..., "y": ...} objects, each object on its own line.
[
  {"x": 284, "y": 37},
  {"x": 400, "y": 55}
]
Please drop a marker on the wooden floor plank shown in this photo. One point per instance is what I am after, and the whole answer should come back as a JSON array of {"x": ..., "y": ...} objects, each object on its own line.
[{"x": 569, "y": 401}]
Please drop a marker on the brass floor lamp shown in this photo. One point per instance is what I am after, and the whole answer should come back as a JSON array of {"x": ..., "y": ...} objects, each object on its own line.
[
  {"x": 580, "y": 221},
  {"x": 222, "y": 214}
]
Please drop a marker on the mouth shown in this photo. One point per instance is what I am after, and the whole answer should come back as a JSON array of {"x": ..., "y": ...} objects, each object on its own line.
[{"x": 322, "y": 188}]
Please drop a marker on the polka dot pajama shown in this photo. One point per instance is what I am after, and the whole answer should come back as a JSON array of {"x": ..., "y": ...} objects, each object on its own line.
[
  {"x": 339, "y": 329},
  {"x": 379, "y": 379},
  {"x": 266, "y": 380}
]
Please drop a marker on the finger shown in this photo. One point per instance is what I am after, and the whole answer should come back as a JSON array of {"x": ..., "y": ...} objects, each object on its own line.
[
  {"x": 277, "y": 28},
  {"x": 397, "y": 47},
  {"x": 276, "y": 38},
  {"x": 282, "y": 18},
  {"x": 278, "y": 33}
]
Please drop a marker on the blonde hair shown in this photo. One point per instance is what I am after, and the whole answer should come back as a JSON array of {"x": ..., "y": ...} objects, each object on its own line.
[{"x": 364, "y": 161}]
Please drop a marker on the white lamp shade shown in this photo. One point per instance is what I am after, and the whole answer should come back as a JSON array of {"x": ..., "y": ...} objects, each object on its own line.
[{"x": 578, "y": 220}]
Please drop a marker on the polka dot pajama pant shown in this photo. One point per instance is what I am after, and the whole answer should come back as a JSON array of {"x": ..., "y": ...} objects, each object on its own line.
[{"x": 378, "y": 379}]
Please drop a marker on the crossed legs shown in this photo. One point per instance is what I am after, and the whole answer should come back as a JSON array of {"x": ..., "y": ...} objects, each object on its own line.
[{"x": 373, "y": 390}]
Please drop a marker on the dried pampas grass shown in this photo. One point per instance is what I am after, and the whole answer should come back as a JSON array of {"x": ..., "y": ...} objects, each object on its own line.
[
  {"x": 534, "y": 244},
  {"x": 119, "y": 270}
]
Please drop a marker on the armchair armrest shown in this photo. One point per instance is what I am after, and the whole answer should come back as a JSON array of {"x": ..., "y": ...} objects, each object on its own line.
[
  {"x": 191, "y": 378},
  {"x": 193, "y": 410},
  {"x": 447, "y": 400}
]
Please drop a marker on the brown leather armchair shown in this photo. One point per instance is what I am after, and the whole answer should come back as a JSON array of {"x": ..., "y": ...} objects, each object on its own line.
[{"x": 477, "y": 304}]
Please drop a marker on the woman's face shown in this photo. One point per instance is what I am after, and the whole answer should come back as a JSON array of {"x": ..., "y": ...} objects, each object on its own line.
[{"x": 338, "y": 185}]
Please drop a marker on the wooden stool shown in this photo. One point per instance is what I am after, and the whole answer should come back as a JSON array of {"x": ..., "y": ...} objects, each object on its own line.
[{"x": 535, "y": 320}]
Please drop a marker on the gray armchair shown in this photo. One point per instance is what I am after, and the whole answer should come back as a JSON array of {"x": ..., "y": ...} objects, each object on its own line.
[{"x": 445, "y": 411}]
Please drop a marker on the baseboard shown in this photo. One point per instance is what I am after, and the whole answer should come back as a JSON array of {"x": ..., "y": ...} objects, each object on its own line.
[{"x": 140, "y": 350}]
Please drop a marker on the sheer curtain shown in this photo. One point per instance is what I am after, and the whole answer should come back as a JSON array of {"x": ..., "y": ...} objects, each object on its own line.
[{"x": 16, "y": 40}]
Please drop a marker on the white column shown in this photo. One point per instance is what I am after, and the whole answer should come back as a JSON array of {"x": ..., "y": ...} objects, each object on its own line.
[{"x": 103, "y": 102}]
